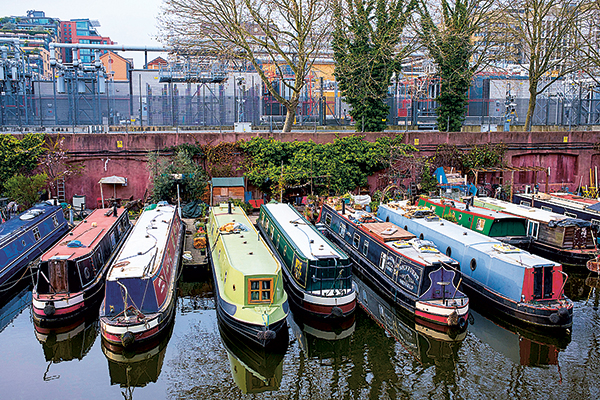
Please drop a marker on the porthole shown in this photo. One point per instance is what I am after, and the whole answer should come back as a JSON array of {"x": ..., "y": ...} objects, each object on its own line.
[
  {"x": 449, "y": 252},
  {"x": 421, "y": 236},
  {"x": 405, "y": 228},
  {"x": 473, "y": 264},
  {"x": 387, "y": 219}
]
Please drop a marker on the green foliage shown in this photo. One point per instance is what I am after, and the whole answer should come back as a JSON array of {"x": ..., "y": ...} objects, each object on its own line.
[
  {"x": 192, "y": 183},
  {"x": 19, "y": 156},
  {"x": 450, "y": 216},
  {"x": 242, "y": 204},
  {"x": 449, "y": 44},
  {"x": 333, "y": 168},
  {"x": 25, "y": 189},
  {"x": 365, "y": 38},
  {"x": 191, "y": 150},
  {"x": 428, "y": 181}
]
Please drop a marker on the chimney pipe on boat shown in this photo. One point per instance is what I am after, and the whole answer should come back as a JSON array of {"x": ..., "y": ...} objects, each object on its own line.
[
  {"x": 229, "y": 207},
  {"x": 343, "y": 207}
]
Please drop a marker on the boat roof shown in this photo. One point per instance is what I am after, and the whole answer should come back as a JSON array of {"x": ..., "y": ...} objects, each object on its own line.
[
  {"x": 566, "y": 200},
  {"x": 310, "y": 242},
  {"x": 528, "y": 212},
  {"x": 399, "y": 240},
  {"x": 27, "y": 218},
  {"x": 89, "y": 233},
  {"x": 486, "y": 212},
  {"x": 142, "y": 252},
  {"x": 471, "y": 239},
  {"x": 386, "y": 231},
  {"x": 247, "y": 251},
  {"x": 574, "y": 199}
]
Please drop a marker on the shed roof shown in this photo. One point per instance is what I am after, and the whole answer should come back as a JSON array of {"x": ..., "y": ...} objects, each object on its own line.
[{"x": 228, "y": 182}]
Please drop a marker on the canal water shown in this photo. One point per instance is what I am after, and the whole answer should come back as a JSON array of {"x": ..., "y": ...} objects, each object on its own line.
[{"x": 377, "y": 354}]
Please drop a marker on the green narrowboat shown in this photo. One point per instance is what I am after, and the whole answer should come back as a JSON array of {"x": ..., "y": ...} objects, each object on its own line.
[
  {"x": 317, "y": 275},
  {"x": 250, "y": 298},
  {"x": 507, "y": 228}
]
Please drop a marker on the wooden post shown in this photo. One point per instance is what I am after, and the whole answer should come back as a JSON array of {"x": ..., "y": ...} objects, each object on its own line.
[
  {"x": 512, "y": 186},
  {"x": 547, "y": 178}
]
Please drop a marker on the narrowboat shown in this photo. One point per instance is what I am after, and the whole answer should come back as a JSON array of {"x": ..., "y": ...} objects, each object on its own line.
[
  {"x": 318, "y": 337},
  {"x": 524, "y": 287},
  {"x": 139, "y": 295},
  {"x": 559, "y": 237},
  {"x": 562, "y": 203},
  {"x": 428, "y": 346},
  {"x": 507, "y": 228},
  {"x": 317, "y": 275},
  {"x": 250, "y": 298},
  {"x": 25, "y": 237},
  {"x": 409, "y": 272},
  {"x": 13, "y": 302},
  {"x": 70, "y": 276}
]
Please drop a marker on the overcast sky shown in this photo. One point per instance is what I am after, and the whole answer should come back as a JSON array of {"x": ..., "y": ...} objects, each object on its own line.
[{"x": 127, "y": 22}]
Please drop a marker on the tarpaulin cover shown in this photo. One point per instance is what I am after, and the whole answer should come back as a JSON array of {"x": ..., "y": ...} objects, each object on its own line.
[
  {"x": 570, "y": 222},
  {"x": 595, "y": 207},
  {"x": 193, "y": 209},
  {"x": 363, "y": 200}
]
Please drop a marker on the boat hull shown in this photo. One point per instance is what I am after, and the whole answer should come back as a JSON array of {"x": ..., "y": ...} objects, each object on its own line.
[
  {"x": 568, "y": 258},
  {"x": 48, "y": 312},
  {"x": 255, "y": 333},
  {"x": 317, "y": 306}
]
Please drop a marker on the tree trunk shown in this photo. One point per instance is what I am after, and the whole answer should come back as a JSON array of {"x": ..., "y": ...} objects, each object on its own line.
[{"x": 531, "y": 107}]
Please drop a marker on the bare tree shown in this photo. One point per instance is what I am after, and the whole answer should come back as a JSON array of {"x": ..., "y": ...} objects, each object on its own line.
[
  {"x": 281, "y": 33},
  {"x": 546, "y": 31}
]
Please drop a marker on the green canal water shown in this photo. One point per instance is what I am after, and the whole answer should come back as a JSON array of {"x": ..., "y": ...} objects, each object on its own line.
[{"x": 376, "y": 355}]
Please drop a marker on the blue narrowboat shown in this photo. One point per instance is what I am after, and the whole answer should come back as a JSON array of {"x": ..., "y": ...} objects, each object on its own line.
[
  {"x": 563, "y": 238},
  {"x": 523, "y": 286},
  {"x": 140, "y": 289},
  {"x": 25, "y": 237},
  {"x": 317, "y": 275},
  {"x": 409, "y": 272}
]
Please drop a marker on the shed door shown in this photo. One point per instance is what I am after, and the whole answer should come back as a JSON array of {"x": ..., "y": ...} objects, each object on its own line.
[{"x": 58, "y": 275}]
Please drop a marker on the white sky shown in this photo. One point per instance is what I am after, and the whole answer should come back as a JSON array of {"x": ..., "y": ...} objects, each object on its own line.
[{"x": 127, "y": 22}]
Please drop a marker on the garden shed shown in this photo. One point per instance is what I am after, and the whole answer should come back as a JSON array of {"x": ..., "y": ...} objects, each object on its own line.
[{"x": 222, "y": 189}]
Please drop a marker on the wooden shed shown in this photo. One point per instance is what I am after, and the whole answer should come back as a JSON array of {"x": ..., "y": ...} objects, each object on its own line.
[{"x": 223, "y": 189}]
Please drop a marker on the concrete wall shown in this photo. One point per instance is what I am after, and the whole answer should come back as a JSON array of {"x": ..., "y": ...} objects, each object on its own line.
[{"x": 570, "y": 155}]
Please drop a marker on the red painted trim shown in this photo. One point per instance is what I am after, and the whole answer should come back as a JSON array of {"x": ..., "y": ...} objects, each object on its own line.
[
  {"x": 326, "y": 310},
  {"x": 59, "y": 311}
]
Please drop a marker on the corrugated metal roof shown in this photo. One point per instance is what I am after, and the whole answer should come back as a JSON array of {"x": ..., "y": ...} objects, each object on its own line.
[{"x": 228, "y": 182}]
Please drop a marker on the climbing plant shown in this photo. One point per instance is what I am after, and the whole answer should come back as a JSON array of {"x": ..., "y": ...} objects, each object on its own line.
[
  {"x": 19, "y": 156},
  {"x": 335, "y": 168}
]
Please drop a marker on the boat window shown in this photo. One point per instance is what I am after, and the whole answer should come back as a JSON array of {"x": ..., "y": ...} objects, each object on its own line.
[
  {"x": 356, "y": 240},
  {"x": 261, "y": 290},
  {"x": 342, "y": 230},
  {"x": 55, "y": 221},
  {"x": 480, "y": 224},
  {"x": 36, "y": 233},
  {"x": 266, "y": 225},
  {"x": 525, "y": 203},
  {"x": 284, "y": 250},
  {"x": 595, "y": 223},
  {"x": 113, "y": 240},
  {"x": 387, "y": 219},
  {"x": 532, "y": 229},
  {"x": 406, "y": 228},
  {"x": 473, "y": 264},
  {"x": 571, "y": 215},
  {"x": 449, "y": 252},
  {"x": 546, "y": 208},
  {"x": 277, "y": 241},
  {"x": 328, "y": 219},
  {"x": 365, "y": 249},
  {"x": 389, "y": 267},
  {"x": 382, "y": 260},
  {"x": 421, "y": 236}
]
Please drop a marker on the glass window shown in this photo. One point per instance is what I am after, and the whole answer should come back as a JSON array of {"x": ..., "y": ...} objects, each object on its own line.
[
  {"x": 261, "y": 290},
  {"x": 365, "y": 249},
  {"x": 532, "y": 229},
  {"x": 55, "y": 221},
  {"x": 328, "y": 219},
  {"x": 342, "y": 230},
  {"x": 36, "y": 233},
  {"x": 356, "y": 240},
  {"x": 382, "y": 260}
]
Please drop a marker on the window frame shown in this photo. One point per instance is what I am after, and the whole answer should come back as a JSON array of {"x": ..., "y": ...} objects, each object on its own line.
[{"x": 260, "y": 290}]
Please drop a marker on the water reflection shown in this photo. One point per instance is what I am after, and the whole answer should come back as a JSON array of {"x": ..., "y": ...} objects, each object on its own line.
[
  {"x": 428, "y": 345},
  {"x": 12, "y": 302},
  {"x": 320, "y": 338},
  {"x": 522, "y": 347},
  {"x": 139, "y": 366},
  {"x": 254, "y": 369},
  {"x": 71, "y": 342}
]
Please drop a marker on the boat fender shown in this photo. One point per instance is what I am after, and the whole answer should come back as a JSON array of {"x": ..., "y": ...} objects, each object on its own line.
[
  {"x": 266, "y": 335},
  {"x": 49, "y": 309},
  {"x": 337, "y": 312},
  {"x": 462, "y": 323},
  {"x": 554, "y": 318},
  {"x": 453, "y": 318},
  {"x": 127, "y": 339},
  {"x": 563, "y": 313}
]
